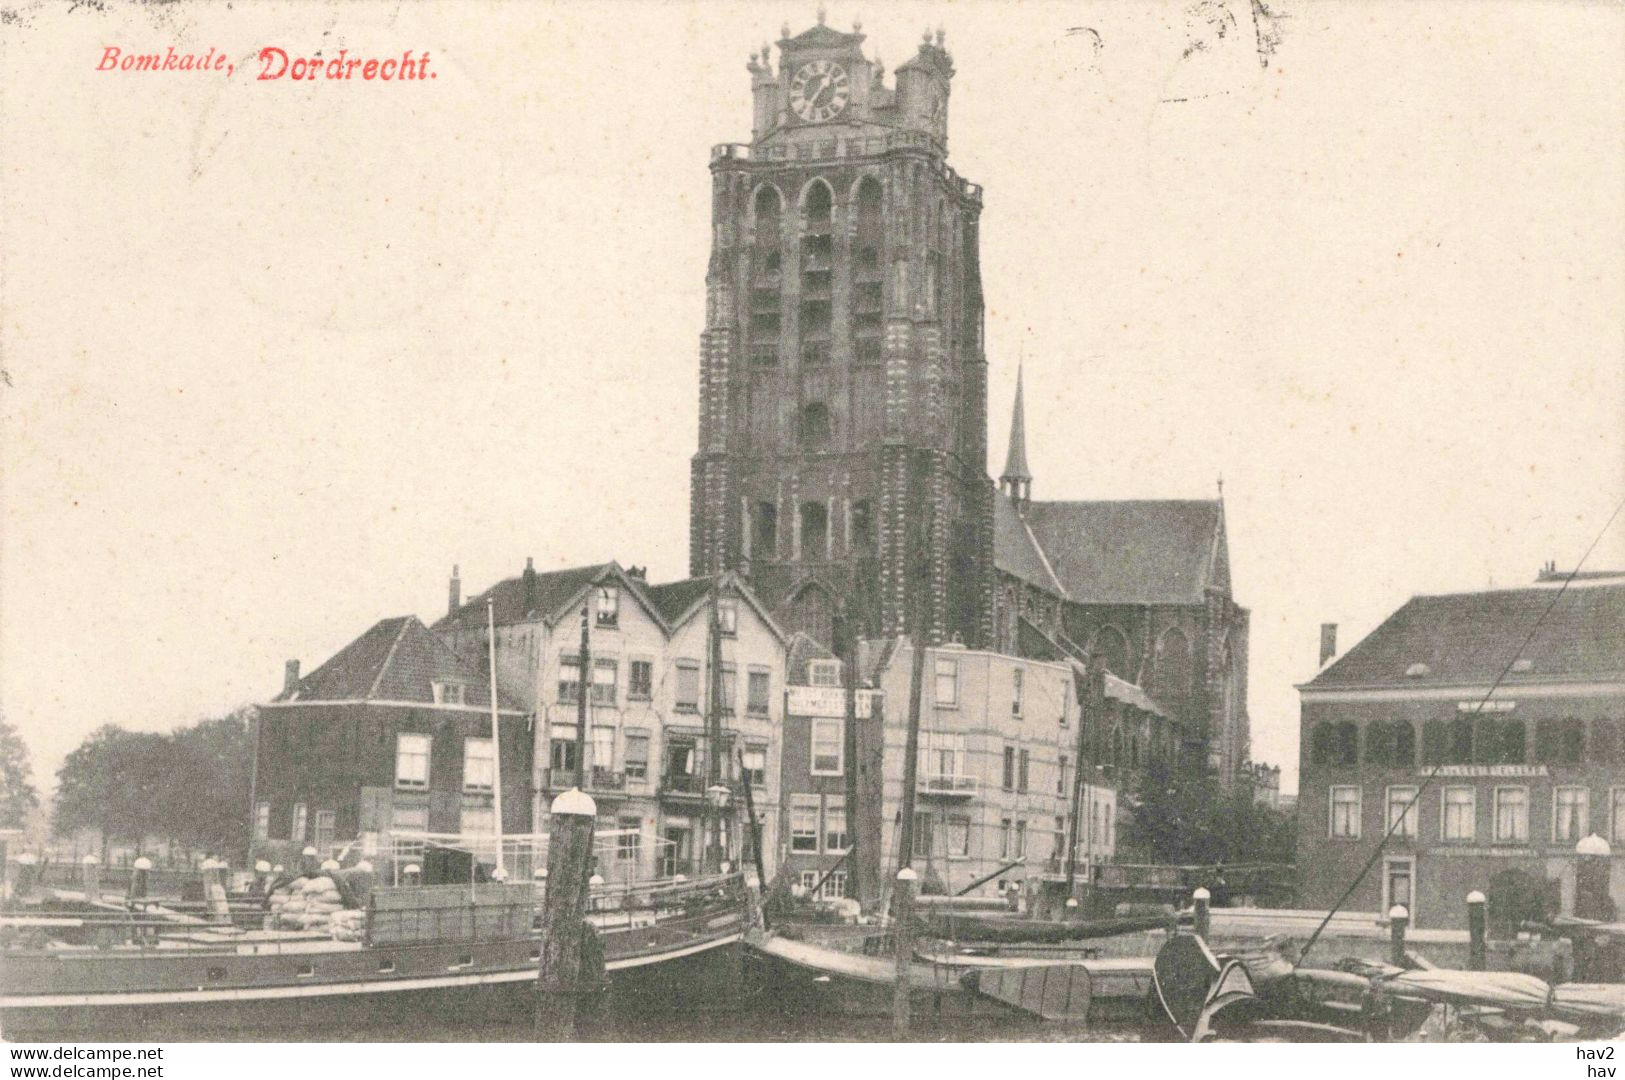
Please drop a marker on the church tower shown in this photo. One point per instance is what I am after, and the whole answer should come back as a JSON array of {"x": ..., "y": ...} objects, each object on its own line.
[{"x": 843, "y": 387}]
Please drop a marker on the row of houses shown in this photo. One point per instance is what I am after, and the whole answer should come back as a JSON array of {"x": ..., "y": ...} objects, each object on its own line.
[{"x": 392, "y": 736}]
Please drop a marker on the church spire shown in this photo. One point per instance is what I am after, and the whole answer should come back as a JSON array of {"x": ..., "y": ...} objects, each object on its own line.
[{"x": 1017, "y": 480}]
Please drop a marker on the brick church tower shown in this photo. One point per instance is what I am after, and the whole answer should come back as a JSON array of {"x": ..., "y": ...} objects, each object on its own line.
[{"x": 843, "y": 386}]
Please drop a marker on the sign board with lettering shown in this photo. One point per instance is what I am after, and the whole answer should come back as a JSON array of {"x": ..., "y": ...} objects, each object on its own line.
[
  {"x": 826, "y": 701},
  {"x": 1487, "y": 771}
]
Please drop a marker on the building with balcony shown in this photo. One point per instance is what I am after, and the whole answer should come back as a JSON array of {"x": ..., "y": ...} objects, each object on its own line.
[
  {"x": 654, "y": 677},
  {"x": 1476, "y": 790},
  {"x": 999, "y": 747}
]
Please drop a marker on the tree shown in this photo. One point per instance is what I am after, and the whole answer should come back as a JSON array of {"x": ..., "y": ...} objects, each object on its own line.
[
  {"x": 205, "y": 803},
  {"x": 190, "y": 785},
  {"x": 1187, "y": 818},
  {"x": 18, "y": 798},
  {"x": 114, "y": 782}
]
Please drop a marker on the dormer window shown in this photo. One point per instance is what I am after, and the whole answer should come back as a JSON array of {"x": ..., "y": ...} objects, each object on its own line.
[
  {"x": 1523, "y": 667},
  {"x": 449, "y": 693},
  {"x": 1418, "y": 671},
  {"x": 609, "y": 606},
  {"x": 824, "y": 672}
]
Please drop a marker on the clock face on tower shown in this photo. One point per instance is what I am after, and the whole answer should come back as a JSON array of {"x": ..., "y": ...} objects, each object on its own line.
[{"x": 819, "y": 90}]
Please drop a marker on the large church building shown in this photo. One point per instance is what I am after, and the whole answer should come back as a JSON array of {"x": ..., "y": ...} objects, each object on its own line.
[{"x": 842, "y": 459}]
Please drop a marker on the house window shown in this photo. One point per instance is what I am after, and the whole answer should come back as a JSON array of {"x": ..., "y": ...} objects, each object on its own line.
[
  {"x": 603, "y": 748},
  {"x": 1060, "y": 776},
  {"x": 922, "y": 834},
  {"x": 688, "y": 686},
  {"x": 756, "y": 692},
  {"x": 478, "y": 820},
  {"x": 1402, "y": 812},
  {"x": 640, "y": 680},
  {"x": 609, "y": 606},
  {"x": 755, "y": 756},
  {"x": 1006, "y": 837},
  {"x": 728, "y": 617},
  {"x": 562, "y": 752},
  {"x": 1009, "y": 777},
  {"x": 833, "y": 888},
  {"x": 448, "y": 693},
  {"x": 636, "y": 765},
  {"x": 729, "y": 690},
  {"x": 411, "y": 762},
  {"x": 824, "y": 672},
  {"x": 569, "y": 677},
  {"x": 1618, "y": 814},
  {"x": 1460, "y": 813},
  {"x": 604, "y": 674},
  {"x": 826, "y": 747},
  {"x": 834, "y": 824},
  {"x": 804, "y": 823},
  {"x": 1021, "y": 774},
  {"x": 628, "y": 839},
  {"x": 262, "y": 821},
  {"x": 409, "y": 818},
  {"x": 479, "y": 765},
  {"x": 1021, "y": 840},
  {"x": 946, "y": 690},
  {"x": 1015, "y": 691},
  {"x": 1057, "y": 847},
  {"x": 958, "y": 836},
  {"x": 1511, "y": 813},
  {"x": 942, "y": 759},
  {"x": 325, "y": 827},
  {"x": 1345, "y": 800},
  {"x": 1571, "y": 813}
]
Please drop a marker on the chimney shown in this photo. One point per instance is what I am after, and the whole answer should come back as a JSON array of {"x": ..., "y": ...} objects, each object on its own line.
[
  {"x": 1328, "y": 642},
  {"x": 638, "y": 573},
  {"x": 290, "y": 676},
  {"x": 530, "y": 583},
  {"x": 454, "y": 599}
]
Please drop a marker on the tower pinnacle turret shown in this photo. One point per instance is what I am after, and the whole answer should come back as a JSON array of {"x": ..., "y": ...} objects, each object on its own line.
[{"x": 1017, "y": 480}]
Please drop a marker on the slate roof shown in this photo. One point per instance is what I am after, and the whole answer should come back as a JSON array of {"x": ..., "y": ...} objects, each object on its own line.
[
  {"x": 675, "y": 598},
  {"x": 548, "y": 591},
  {"x": 1468, "y": 638},
  {"x": 1160, "y": 551},
  {"x": 397, "y": 659},
  {"x": 1016, "y": 551}
]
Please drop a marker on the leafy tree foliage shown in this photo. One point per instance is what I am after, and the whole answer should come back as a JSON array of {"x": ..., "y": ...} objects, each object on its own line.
[
  {"x": 1185, "y": 817},
  {"x": 191, "y": 785},
  {"x": 18, "y": 798}
]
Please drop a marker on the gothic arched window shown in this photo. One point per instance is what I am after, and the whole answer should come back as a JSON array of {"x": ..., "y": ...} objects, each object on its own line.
[
  {"x": 1172, "y": 676},
  {"x": 1112, "y": 647},
  {"x": 814, "y": 531}
]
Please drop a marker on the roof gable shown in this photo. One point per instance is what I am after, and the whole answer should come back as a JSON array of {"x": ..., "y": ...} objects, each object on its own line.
[
  {"x": 679, "y": 601},
  {"x": 1016, "y": 551},
  {"x": 397, "y": 659},
  {"x": 1470, "y": 638},
  {"x": 1160, "y": 551},
  {"x": 546, "y": 597}
]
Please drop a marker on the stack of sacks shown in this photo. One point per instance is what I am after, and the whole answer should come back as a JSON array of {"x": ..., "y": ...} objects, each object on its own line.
[
  {"x": 287, "y": 903},
  {"x": 348, "y": 925},
  {"x": 322, "y": 899}
]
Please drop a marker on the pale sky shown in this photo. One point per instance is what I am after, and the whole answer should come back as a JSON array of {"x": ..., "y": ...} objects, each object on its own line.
[{"x": 280, "y": 354}]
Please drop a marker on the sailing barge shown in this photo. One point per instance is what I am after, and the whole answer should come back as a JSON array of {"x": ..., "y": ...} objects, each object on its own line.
[{"x": 424, "y": 951}]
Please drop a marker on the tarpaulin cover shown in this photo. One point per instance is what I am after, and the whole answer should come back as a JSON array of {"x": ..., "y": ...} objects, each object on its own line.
[
  {"x": 1507, "y": 989},
  {"x": 1605, "y": 999}
]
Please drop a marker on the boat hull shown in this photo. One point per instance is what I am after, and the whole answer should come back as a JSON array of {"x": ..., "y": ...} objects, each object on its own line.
[{"x": 484, "y": 990}]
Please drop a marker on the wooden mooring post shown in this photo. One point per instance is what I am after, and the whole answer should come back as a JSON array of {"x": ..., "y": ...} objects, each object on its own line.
[
  {"x": 91, "y": 878},
  {"x": 564, "y": 913},
  {"x": 1478, "y": 929},
  {"x": 1398, "y": 919},
  {"x": 903, "y": 943},
  {"x": 1201, "y": 917}
]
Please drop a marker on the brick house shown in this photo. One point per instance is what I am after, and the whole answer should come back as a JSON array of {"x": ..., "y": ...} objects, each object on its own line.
[
  {"x": 1506, "y": 789},
  {"x": 392, "y": 732}
]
